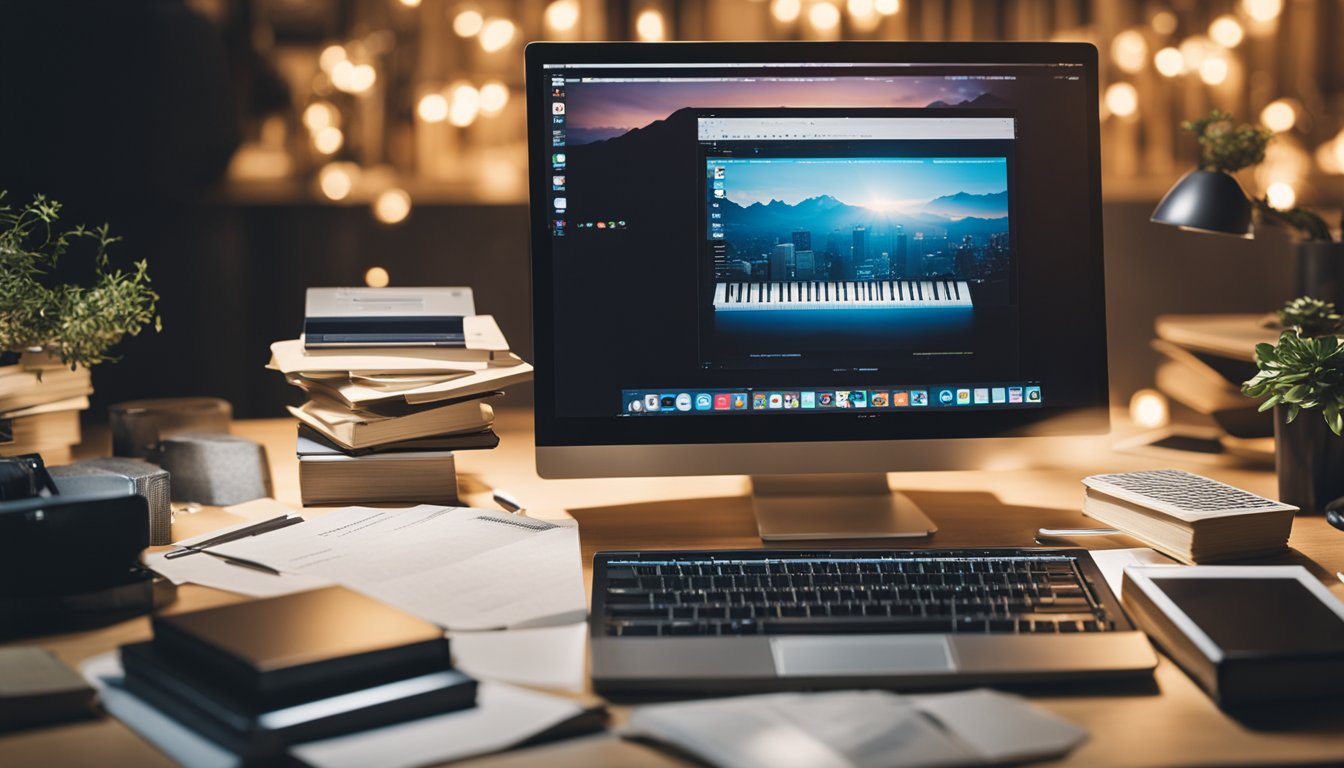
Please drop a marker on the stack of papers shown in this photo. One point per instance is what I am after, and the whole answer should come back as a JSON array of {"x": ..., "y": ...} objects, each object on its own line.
[{"x": 418, "y": 402}]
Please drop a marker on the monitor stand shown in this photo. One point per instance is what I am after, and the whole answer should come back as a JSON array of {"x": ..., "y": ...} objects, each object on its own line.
[{"x": 853, "y": 506}]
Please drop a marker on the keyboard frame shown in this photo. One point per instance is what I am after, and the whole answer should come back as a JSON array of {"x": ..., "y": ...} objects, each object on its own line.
[{"x": 1092, "y": 577}]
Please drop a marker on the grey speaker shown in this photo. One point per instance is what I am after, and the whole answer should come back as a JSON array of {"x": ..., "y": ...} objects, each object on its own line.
[
  {"x": 216, "y": 469},
  {"x": 150, "y": 481}
]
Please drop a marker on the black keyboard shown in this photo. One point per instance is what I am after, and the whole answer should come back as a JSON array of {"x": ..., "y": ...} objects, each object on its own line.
[{"x": 764, "y": 592}]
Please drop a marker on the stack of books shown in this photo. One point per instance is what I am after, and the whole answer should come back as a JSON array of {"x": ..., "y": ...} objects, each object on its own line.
[
  {"x": 1205, "y": 358},
  {"x": 40, "y": 401},
  {"x": 259, "y": 677},
  {"x": 381, "y": 423}
]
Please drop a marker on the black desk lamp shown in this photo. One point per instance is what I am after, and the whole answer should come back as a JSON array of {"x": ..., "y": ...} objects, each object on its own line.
[{"x": 1206, "y": 201}]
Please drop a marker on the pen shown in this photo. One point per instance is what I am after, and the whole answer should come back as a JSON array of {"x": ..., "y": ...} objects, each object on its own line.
[
  {"x": 243, "y": 562},
  {"x": 508, "y": 502},
  {"x": 256, "y": 529}
]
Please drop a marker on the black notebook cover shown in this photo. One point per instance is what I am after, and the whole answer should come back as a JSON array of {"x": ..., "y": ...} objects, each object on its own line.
[
  {"x": 303, "y": 645},
  {"x": 262, "y": 732}
]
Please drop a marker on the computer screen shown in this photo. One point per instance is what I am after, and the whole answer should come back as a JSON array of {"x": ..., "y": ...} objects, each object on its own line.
[{"x": 810, "y": 243}]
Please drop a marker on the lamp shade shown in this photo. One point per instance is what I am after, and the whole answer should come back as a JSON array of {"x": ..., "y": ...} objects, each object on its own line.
[{"x": 1206, "y": 201}]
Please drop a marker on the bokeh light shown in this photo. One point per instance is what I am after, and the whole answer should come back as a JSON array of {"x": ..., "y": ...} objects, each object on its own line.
[
  {"x": 377, "y": 277},
  {"x": 1169, "y": 62},
  {"x": 1122, "y": 99},
  {"x": 1129, "y": 51},
  {"x": 494, "y": 97},
  {"x": 1281, "y": 196},
  {"x": 1279, "y": 115},
  {"x": 786, "y": 11},
  {"x": 824, "y": 16},
  {"x": 328, "y": 140},
  {"x": 650, "y": 26},
  {"x": 1226, "y": 31},
  {"x": 562, "y": 15},
  {"x": 496, "y": 34},
  {"x": 392, "y": 206},
  {"x": 468, "y": 23},
  {"x": 432, "y": 108}
]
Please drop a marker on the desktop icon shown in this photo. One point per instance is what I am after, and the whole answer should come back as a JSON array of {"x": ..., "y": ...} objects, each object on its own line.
[
  {"x": 758, "y": 401},
  {"x": 919, "y": 397},
  {"x": 703, "y": 401},
  {"x": 650, "y": 403},
  {"x": 900, "y": 399},
  {"x": 668, "y": 402},
  {"x": 998, "y": 395},
  {"x": 558, "y": 159},
  {"x": 635, "y": 406},
  {"x": 859, "y": 398},
  {"x": 739, "y": 401},
  {"x": 826, "y": 399},
  {"x": 842, "y": 399},
  {"x": 776, "y": 400},
  {"x": 684, "y": 401},
  {"x": 722, "y": 401},
  {"x": 963, "y": 397},
  {"x": 790, "y": 400},
  {"x": 1033, "y": 394},
  {"x": 879, "y": 399},
  {"x": 1014, "y": 394},
  {"x": 808, "y": 399},
  {"x": 718, "y": 193},
  {"x": 557, "y": 181},
  {"x": 561, "y": 203},
  {"x": 945, "y": 396},
  {"x": 981, "y": 395},
  {"x": 719, "y": 171},
  {"x": 558, "y": 108},
  {"x": 601, "y": 225}
]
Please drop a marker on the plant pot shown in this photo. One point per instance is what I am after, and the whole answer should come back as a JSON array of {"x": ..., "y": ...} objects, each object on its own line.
[
  {"x": 1320, "y": 271},
  {"x": 1310, "y": 461}
]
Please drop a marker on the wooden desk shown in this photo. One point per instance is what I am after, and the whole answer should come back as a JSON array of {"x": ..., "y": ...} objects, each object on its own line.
[{"x": 1170, "y": 722}]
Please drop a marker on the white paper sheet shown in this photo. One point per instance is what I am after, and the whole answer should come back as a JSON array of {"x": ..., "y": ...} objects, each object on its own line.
[
  {"x": 547, "y": 657},
  {"x": 503, "y": 716},
  {"x": 858, "y": 729},
  {"x": 461, "y": 568},
  {"x": 1112, "y": 563}
]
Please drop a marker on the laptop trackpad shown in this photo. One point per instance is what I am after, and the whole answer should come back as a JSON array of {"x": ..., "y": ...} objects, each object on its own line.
[{"x": 869, "y": 654}]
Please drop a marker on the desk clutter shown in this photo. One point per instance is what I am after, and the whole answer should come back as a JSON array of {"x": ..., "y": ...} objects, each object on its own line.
[
  {"x": 392, "y": 391},
  {"x": 40, "y": 402}
]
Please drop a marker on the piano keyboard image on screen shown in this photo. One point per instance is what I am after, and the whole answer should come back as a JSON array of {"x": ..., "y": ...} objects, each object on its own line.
[{"x": 860, "y": 294}]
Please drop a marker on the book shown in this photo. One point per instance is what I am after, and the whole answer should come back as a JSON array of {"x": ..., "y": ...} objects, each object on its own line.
[
  {"x": 415, "y": 317},
  {"x": 1245, "y": 634},
  {"x": 361, "y": 391},
  {"x": 24, "y": 389},
  {"x": 261, "y": 731},
  {"x": 50, "y": 434},
  {"x": 302, "y": 646},
  {"x": 485, "y": 345},
  {"x": 327, "y": 475},
  {"x": 37, "y": 689},
  {"x": 1231, "y": 336},
  {"x": 315, "y": 442},
  {"x": 1195, "y": 531},
  {"x": 362, "y": 428}
]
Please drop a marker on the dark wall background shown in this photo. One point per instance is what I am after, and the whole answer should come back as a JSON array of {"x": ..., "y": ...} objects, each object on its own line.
[{"x": 233, "y": 278}]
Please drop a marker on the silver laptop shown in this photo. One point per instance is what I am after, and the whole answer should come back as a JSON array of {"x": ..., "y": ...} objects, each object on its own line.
[{"x": 759, "y": 620}]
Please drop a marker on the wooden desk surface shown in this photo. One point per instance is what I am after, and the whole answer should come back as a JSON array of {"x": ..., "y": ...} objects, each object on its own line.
[{"x": 1170, "y": 722}]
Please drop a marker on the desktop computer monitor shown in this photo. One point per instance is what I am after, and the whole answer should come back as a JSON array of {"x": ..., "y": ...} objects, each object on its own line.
[{"x": 793, "y": 259}]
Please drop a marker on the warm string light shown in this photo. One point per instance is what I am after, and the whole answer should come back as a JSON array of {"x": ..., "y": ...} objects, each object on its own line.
[
  {"x": 392, "y": 206},
  {"x": 468, "y": 23},
  {"x": 1122, "y": 100},
  {"x": 1169, "y": 62},
  {"x": 1279, "y": 115},
  {"x": 496, "y": 34},
  {"x": 1226, "y": 31},
  {"x": 319, "y": 115},
  {"x": 562, "y": 15},
  {"x": 464, "y": 103},
  {"x": 1213, "y": 70},
  {"x": 337, "y": 180},
  {"x": 1262, "y": 10},
  {"x": 786, "y": 11},
  {"x": 328, "y": 140},
  {"x": 353, "y": 78},
  {"x": 377, "y": 277},
  {"x": 823, "y": 16},
  {"x": 650, "y": 27},
  {"x": 494, "y": 97},
  {"x": 1129, "y": 51},
  {"x": 432, "y": 108},
  {"x": 887, "y": 7},
  {"x": 1281, "y": 196},
  {"x": 1164, "y": 22}
]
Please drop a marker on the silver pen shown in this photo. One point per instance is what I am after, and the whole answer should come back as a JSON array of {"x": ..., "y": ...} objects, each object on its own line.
[{"x": 508, "y": 502}]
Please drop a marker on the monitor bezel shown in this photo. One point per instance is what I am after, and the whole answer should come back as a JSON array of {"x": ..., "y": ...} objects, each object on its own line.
[{"x": 1088, "y": 418}]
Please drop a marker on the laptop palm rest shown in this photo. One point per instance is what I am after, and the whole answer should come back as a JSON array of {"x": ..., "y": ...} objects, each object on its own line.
[{"x": 861, "y": 655}]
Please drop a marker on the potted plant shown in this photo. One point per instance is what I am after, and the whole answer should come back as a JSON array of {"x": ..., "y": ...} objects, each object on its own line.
[
  {"x": 75, "y": 322},
  {"x": 1304, "y": 371}
]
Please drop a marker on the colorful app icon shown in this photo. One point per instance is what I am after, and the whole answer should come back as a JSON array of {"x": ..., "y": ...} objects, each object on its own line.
[
  {"x": 879, "y": 399},
  {"x": 963, "y": 397},
  {"x": 635, "y": 406},
  {"x": 900, "y": 399},
  {"x": 601, "y": 225},
  {"x": 842, "y": 398},
  {"x": 557, "y": 181},
  {"x": 739, "y": 401},
  {"x": 998, "y": 395},
  {"x": 558, "y": 159},
  {"x": 758, "y": 401},
  {"x": 859, "y": 398},
  {"x": 668, "y": 402},
  {"x": 684, "y": 401},
  {"x": 561, "y": 203},
  {"x": 946, "y": 396},
  {"x": 703, "y": 401},
  {"x": 719, "y": 171},
  {"x": 981, "y": 395},
  {"x": 919, "y": 397},
  {"x": 808, "y": 399},
  {"x": 718, "y": 193},
  {"x": 790, "y": 400},
  {"x": 1014, "y": 394},
  {"x": 826, "y": 399},
  {"x": 1033, "y": 394},
  {"x": 558, "y": 108},
  {"x": 722, "y": 401},
  {"x": 776, "y": 400},
  {"x": 650, "y": 403}
]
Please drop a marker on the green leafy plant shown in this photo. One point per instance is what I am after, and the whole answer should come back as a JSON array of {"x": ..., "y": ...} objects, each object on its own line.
[
  {"x": 1305, "y": 369},
  {"x": 1311, "y": 317},
  {"x": 1227, "y": 148},
  {"x": 77, "y": 322}
]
